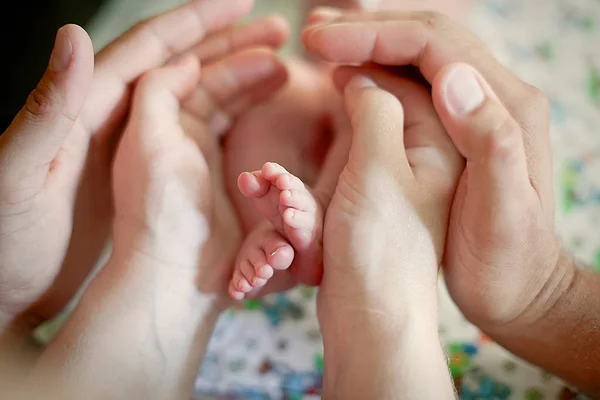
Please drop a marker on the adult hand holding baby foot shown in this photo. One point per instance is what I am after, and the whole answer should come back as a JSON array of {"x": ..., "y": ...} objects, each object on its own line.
[
  {"x": 175, "y": 238},
  {"x": 383, "y": 242},
  {"x": 503, "y": 264},
  {"x": 164, "y": 206}
]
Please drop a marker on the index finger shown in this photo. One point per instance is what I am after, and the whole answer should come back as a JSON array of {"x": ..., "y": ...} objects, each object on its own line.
[
  {"x": 151, "y": 43},
  {"x": 427, "y": 40}
]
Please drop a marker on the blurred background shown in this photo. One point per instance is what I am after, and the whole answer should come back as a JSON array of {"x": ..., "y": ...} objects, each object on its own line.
[{"x": 28, "y": 31}]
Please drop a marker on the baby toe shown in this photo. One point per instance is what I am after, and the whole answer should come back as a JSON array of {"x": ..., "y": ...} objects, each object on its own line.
[
  {"x": 298, "y": 199},
  {"x": 234, "y": 293},
  {"x": 252, "y": 185},
  {"x": 247, "y": 271},
  {"x": 272, "y": 171},
  {"x": 297, "y": 219},
  {"x": 278, "y": 251},
  {"x": 262, "y": 269},
  {"x": 240, "y": 283},
  {"x": 289, "y": 181}
]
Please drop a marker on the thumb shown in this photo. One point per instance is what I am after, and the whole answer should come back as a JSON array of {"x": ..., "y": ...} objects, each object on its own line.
[
  {"x": 483, "y": 131},
  {"x": 377, "y": 119},
  {"x": 40, "y": 128}
]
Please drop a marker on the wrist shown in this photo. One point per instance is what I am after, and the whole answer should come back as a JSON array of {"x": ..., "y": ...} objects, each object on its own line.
[
  {"x": 565, "y": 313},
  {"x": 349, "y": 292},
  {"x": 344, "y": 330},
  {"x": 364, "y": 316},
  {"x": 365, "y": 359}
]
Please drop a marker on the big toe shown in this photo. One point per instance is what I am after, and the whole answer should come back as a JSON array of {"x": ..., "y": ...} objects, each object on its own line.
[{"x": 252, "y": 185}]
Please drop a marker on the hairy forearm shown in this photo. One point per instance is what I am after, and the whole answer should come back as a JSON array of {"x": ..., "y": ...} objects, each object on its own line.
[
  {"x": 564, "y": 338},
  {"x": 376, "y": 355},
  {"x": 140, "y": 331}
]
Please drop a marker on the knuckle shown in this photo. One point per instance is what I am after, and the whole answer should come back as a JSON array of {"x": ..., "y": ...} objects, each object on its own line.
[
  {"x": 147, "y": 29},
  {"x": 152, "y": 83},
  {"x": 538, "y": 101},
  {"x": 531, "y": 108},
  {"x": 504, "y": 137},
  {"x": 39, "y": 103},
  {"x": 434, "y": 20},
  {"x": 44, "y": 102},
  {"x": 142, "y": 25},
  {"x": 149, "y": 79}
]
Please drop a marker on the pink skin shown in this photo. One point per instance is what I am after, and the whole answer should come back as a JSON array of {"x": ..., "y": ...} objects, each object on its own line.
[
  {"x": 289, "y": 130},
  {"x": 292, "y": 230},
  {"x": 300, "y": 128}
]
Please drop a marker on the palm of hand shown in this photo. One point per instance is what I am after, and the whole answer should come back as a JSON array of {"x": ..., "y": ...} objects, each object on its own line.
[
  {"x": 217, "y": 102},
  {"x": 487, "y": 278},
  {"x": 69, "y": 210},
  {"x": 26, "y": 217},
  {"x": 222, "y": 245},
  {"x": 391, "y": 206},
  {"x": 45, "y": 208},
  {"x": 162, "y": 185},
  {"x": 191, "y": 154}
]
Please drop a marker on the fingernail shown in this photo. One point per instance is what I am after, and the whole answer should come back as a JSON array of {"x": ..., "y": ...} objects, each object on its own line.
[
  {"x": 463, "y": 91},
  {"x": 361, "y": 82},
  {"x": 276, "y": 251},
  {"x": 63, "y": 51}
]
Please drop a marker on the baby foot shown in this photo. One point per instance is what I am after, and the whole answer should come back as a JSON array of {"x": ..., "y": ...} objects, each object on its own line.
[
  {"x": 263, "y": 252},
  {"x": 295, "y": 215}
]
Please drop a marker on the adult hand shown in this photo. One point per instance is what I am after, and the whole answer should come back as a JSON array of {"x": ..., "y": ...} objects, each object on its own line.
[
  {"x": 165, "y": 185},
  {"x": 502, "y": 218},
  {"x": 168, "y": 241},
  {"x": 55, "y": 197},
  {"x": 383, "y": 242},
  {"x": 503, "y": 263}
]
